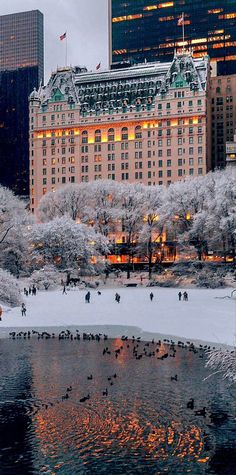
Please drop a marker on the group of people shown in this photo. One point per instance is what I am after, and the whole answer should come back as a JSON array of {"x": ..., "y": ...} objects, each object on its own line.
[
  {"x": 184, "y": 295},
  {"x": 30, "y": 291}
]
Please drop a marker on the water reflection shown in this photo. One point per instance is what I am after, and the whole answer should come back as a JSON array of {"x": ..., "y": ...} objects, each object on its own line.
[{"x": 141, "y": 426}]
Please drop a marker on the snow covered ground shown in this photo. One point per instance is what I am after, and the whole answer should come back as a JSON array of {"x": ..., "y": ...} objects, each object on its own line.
[{"x": 205, "y": 317}]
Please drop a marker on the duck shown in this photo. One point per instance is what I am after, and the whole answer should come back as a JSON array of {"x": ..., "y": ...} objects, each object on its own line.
[
  {"x": 190, "y": 403},
  {"x": 105, "y": 393},
  {"x": 85, "y": 398},
  {"x": 201, "y": 412},
  {"x": 90, "y": 377},
  {"x": 174, "y": 378}
]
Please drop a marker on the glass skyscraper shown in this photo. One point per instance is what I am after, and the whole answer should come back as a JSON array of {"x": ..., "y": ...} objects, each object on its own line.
[
  {"x": 150, "y": 30},
  {"x": 21, "y": 69}
]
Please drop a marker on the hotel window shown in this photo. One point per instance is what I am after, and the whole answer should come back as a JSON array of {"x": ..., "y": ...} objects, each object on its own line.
[
  {"x": 124, "y": 133},
  {"x": 124, "y": 145},
  {"x": 84, "y": 169},
  {"x": 168, "y": 105},
  {"x": 44, "y": 171},
  {"x": 191, "y": 171},
  {"x": 72, "y": 169},
  {"x": 138, "y": 175},
  {"x": 63, "y": 150},
  {"x": 44, "y": 118},
  {"x": 53, "y": 171},
  {"x": 72, "y": 159},
  {"x": 190, "y": 130},
  {"x": 63, "y": 170},
  {"x": 124, "y": 176},
  {"x": 72, "y": 179},
  {"x": 44, "y": 181},
  {"x": 97, "y": 168},
  {"x": 159, "y": 106},
  {"x": 111, "y": 156},
  {"x": 180, "y": 172},
  {"x": 110, "y": 146},
  {"x": 180, "y": 141},
  {"x": 53, "y": 180},
  {"x": 160, "y": 173},
  {"x": 160, "y": 163},
  {"x": 200, "y": 171},
  {"x": 111, "y": 176},
  {"x": 159, "y": 153},
  {"x": 168, "y": 142},
  {"x": 199, "y": 149},
  {"x": 180, "y": 162},
  {"x": 84, "y": 136},
  {"x": 190, "y": 103},
  {"x": 149, "y": 153},
  {"x": 53, "y": 151},
  {"x": 160, "y": 143},
  {"x": 191, "y": 161},
  {"x": 98, "y": 136},
  {"x": 63, "y": 180},
  {"x": 45, "y": 143},
  {"x": 168, "y": 163},
  {"x": 53, "y": 161},
  {"x": 138, "y": 132},
  {"x": 200, "y": 161},
  {"x": 190, "y": 140},
  {"x": 180, "y": 151},
  {"x": 44, "y": 152},
  {"x": 179, "y": 131},
  {"x": 44, "y": 162},
  {"x": 179, "y": 104},
  {"x": 169, "y": 152},
  {"x": 63, "y": 160},
  {"x": 190, "y": 150},
  {"x": 84, "y": 149},
  {"x": 200, "y": 139},
  {"x": 199, "y": 102},
  {"x": 124, "y": 166},
  {"x": 149, "y": 164},
  {"x": 111, "y": 135},
  {"x": 168, "y": 173},
  {"x": 159, "y": 133},
  {"x": 168, "y": 132}
]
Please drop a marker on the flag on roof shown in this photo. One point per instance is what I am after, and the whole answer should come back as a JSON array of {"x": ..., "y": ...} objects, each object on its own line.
[
  {"x": 62, "y": 37},
  {"x": 98, "y": 65}
]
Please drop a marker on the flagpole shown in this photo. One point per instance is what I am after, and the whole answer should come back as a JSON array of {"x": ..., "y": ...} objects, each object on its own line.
[
  {"x": 66, "y": 49},
  {"x": 183, "y": 29}
]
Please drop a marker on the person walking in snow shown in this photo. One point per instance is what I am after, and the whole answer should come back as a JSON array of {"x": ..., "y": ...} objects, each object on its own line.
[
  {"x": 64, "y": 290},
  {"x": 87, "y": 297},
  {"x": 23, "y": 310},
  {"x": 151, "y": 296},
  {"x": 180, "y": 295},
  {"x": 117, "y": 297},
  {"x": 185, "y": 294}
]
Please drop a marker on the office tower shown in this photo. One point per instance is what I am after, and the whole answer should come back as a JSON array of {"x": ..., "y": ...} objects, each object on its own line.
[
  {"x": 223, "y": 116},
  {"x": 149, "y": 30},
  {"x": 21, "y": 69},
  {"x": 146, "y": 123}
]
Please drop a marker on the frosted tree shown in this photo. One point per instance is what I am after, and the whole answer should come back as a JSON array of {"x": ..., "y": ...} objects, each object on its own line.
[
  {"x": 131, "y": 198},
  {"x": 66, "y": 244},
  {"x": 71, "y": 200},
  {"x": 9, "y": 289},
  {"x": 150, "y": 235},
  {"x": 222, "y": 361},
  {"x": 13, "y": 220}
]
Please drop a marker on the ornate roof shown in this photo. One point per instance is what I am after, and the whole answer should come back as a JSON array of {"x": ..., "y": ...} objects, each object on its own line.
[{"x": 113, "y": 89}]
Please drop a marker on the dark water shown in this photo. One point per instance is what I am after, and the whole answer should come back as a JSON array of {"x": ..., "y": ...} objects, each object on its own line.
[{"x": 141, "y": 427}]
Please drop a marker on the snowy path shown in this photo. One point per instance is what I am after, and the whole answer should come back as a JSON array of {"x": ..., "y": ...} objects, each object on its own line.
[{"x": 204, "y": 317}]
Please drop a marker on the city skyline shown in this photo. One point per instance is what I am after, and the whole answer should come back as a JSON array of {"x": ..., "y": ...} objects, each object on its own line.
[{"x": 85, "y": 22}]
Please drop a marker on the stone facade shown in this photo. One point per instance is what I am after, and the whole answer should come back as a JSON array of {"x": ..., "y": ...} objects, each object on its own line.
[{"x": 146, "y": 123}]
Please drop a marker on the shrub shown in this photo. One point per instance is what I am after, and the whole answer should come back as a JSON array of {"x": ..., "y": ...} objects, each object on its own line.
[{"x": 9, "y": 289}]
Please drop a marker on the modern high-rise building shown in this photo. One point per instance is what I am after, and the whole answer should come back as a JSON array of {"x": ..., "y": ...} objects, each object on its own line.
[
  {"x": 223, "y": 116},
  {"x": 21, "y": 69},
  {"x": 147, "y": 123},
  {"x": 149, "y": 30}
]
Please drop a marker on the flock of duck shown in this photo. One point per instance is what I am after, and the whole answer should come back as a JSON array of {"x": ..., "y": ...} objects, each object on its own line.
[{"x": 139, "y": 350}]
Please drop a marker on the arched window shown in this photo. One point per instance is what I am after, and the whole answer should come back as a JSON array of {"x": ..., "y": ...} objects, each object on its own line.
[
  {"x": 84, "y": 136},
  {"x": 218, "y": 90},
  {"x": 111, "y": 135},
  {"x": 124, "y": 133},
  {"x": 138, "y": 132},
  {"x": 98, "y": 137}
]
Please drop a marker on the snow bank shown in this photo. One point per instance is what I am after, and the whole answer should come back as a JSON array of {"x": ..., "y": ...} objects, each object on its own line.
[{"x": 206, "y": 316}]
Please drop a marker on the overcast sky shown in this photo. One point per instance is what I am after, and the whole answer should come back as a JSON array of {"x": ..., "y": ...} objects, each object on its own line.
[{"x": 86, "y": 23}]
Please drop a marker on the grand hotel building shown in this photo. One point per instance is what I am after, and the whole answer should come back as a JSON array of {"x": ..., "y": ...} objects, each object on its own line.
[{"x": 146, "y": 123}]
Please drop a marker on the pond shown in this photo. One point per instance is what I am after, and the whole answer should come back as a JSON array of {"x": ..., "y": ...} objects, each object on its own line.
[{"x": 133, "y": 417}]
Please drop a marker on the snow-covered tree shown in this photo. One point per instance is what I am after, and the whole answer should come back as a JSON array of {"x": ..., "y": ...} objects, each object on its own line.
[
  {"x": 13, "y": 220},
  {"x": 153, "y": 225},
  {"x": 71, "y": 200},
  {"x": 66, "y": 243},
  {"x": 47, "y": 278},
  {"x": 9, "y": 289}
]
